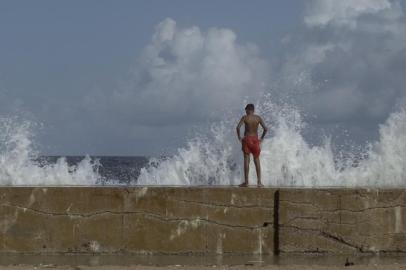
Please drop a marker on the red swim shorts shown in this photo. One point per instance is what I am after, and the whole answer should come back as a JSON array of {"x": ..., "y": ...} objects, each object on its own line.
[{"x": 250, "y": 144}]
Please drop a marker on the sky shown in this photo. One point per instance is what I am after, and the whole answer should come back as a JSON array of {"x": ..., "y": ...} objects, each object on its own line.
[{"x": 135, "y": 77}]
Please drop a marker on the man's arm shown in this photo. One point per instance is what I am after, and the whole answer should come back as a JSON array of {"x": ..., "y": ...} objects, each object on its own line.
[
  {"x": 238, "y": 128},
  {"x": 265, "y": 129}
]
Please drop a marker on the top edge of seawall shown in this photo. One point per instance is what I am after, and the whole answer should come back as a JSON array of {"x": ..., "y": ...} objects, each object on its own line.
[{"x": 321, "y": 188}]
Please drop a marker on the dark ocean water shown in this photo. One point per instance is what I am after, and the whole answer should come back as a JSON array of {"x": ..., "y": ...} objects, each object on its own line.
[{"x": 123, "y": 170}]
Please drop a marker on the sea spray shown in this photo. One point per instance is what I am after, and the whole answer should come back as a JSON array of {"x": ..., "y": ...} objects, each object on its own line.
[
  {"x": 19, "y": 163},
  {"x": 386, "y": 162},
  {"x": 286, "y": 158},
  {"x": 213, "y": 157},
  {"x": 204, "y": 161}
]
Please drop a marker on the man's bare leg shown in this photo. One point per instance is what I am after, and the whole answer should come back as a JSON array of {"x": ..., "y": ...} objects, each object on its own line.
[
  {"x": 258, "y": 169},
  {"x": 246, "y": 170}
]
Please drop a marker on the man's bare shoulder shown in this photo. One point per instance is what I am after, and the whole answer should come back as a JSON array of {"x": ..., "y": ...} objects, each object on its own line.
[
  {"x": 242, "y": 120},
  {"x": 257, "y": 117}
]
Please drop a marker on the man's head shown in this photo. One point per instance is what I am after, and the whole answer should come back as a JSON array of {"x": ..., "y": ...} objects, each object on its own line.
[{"x": 249, "y": 109}]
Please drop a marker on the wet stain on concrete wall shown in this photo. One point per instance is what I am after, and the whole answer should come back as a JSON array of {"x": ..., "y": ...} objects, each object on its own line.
[{"x": 200, "y": 220}]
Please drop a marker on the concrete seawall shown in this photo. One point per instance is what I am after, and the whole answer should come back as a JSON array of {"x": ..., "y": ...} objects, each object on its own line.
[{"x": 201, "y": 220}]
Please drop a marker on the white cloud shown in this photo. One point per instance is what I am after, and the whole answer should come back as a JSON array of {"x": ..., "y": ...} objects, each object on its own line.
[
  {"x": 185, "y": 73},
  {"x": 345, "y": 66},
  {"x": 346, "y": 12},
  {"x": 347, "y": 62}
]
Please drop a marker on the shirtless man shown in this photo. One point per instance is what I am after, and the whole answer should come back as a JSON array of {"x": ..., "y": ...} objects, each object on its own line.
[{"x": 250, "y": 142}]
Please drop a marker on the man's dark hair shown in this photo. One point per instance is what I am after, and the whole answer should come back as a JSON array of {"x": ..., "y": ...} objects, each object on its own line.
[{"x": 250, "y": 107}]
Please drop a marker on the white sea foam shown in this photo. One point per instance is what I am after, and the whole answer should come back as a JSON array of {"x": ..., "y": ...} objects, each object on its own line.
[
  {"x": 286, "y": 158},
  {"x": 19, "y": 163},
  {"x": 215, "y": 158}
]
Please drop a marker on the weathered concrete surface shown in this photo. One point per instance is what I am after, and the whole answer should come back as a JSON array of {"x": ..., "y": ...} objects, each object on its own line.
[
  {"x": 140, "y": 220},
  {"x": 201, "y": 220},
  {"x": 342, "y": 220}
]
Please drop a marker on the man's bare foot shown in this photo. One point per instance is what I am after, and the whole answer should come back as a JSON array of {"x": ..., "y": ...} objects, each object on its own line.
[
  {"x": 260, "y": 185},
  {"x": 243, "y": 184}
]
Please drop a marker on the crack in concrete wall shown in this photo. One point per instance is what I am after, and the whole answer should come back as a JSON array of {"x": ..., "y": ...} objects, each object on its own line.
[
  {"x": 217, "y": 220},
  {"x": 225, "y": 205},
  {"x": 143, "y": 213},
  {"x": 140, "y": 220},
  {"x": 343, "y": 220}
]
